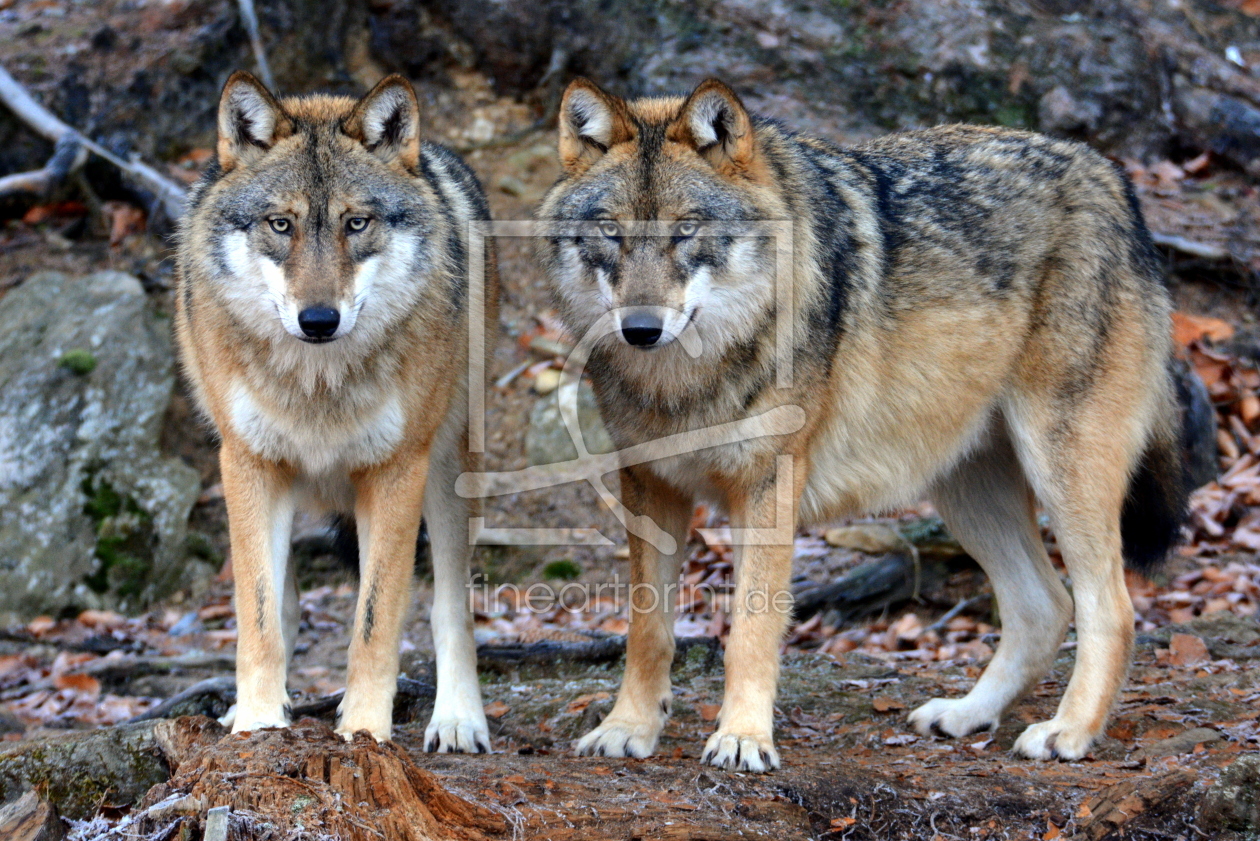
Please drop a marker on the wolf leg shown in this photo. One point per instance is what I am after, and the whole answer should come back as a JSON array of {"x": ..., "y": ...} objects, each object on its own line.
[
  {"x": 744, "y": 740},
  {"x": 1080, "y": 470},
  {"x": 458, "y": 724},
  {"x": 988, "y": 506},
  {"x": 260, "y": 518},
  {"x": 389, "y": 499},
  {"x": 636, "y": 719}
]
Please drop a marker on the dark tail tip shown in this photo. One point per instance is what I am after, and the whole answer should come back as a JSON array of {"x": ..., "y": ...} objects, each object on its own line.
[
  {"x": 1155, "y": 507},
  {"x": 345, "y": 544}
]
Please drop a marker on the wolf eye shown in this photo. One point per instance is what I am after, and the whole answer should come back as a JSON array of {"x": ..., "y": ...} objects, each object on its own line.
[
  {"x": 610, "y": 229},
  {"x": 280, "y": 225},
  {"x": 686, "y": 229},
  {"x": 356, "y": 224}
]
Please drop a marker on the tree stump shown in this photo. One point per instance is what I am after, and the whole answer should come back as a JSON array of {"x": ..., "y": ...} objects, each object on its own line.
[{"x": 301, "y": 783}]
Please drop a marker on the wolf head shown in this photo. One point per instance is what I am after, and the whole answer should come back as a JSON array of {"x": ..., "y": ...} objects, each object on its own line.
[
  {"x": 657, "y": 195},
  {"x": 312, "y": 221}
]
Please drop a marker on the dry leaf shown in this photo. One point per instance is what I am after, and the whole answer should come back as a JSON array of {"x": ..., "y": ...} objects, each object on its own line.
[
  {"x": 1189, "y": 328},
  {"x": 1187, "y": 650},
  {"x": 883, "y": 704},
  {"x": 709, "y": 712},
  {"x": 497, "y": 709}
]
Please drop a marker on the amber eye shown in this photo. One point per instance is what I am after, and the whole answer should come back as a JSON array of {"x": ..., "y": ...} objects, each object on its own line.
[
  {"x": 280, "y": 225},
  {"x": 610, "y": 229},
  {"x": 686, "y": 229},
  {"x": 357, "y": 224}
]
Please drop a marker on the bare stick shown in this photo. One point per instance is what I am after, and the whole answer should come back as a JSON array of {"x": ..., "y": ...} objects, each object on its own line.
[
  {"x": 251, "y": 25},
  {"x": 170, "y": 195}
]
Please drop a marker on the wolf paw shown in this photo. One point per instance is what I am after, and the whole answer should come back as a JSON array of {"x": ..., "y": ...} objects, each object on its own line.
[
  {"x": 457, "y": 735},
  {"x": 954, "y": 717},
  {"x": 351, "y": 720},
  {"x": 1053, "y": 740},
  {"x": 741, "y": 752},
  {"x": 242, "y": 720},
  {"x": 620, "y": 737}
]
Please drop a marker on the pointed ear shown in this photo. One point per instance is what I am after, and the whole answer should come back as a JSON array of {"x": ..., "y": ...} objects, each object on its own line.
[
  {"x": 714, "y": 122},
  {"x": 250, "y": 120},
  {"x": 387, "y": 122},
  {"x": 591, "y": 122}
]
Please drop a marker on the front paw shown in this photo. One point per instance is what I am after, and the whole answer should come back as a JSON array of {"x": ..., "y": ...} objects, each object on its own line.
[
  {"x": 244, "y": 719},
  {"x": 620, "y": 737},
  {"x": 351, "y": 718},
  {"x": 953, "y": 717},
  {"x": 1053, "y": 739},
  {"x": 457, "y": 735},
  {"x": 741, "y": 752}
]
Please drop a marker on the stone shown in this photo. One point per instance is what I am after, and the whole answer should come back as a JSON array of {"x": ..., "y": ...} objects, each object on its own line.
[
  {"x": 1233, "y": 801},
  {"x": 871, "y": 538},
  {"x": 547, "y": 440},
  {"x": 1181, "y": 743},
  {"x": 92, "y": 515}
]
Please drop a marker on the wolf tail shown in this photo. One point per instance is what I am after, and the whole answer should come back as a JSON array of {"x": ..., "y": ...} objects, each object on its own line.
[{"x": 1157, "y": 501}]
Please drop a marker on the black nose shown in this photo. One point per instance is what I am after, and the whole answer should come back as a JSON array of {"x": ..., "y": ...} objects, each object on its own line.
[
  {"x": 319, "y": 322},
  {"x": 641, "y": 329}
]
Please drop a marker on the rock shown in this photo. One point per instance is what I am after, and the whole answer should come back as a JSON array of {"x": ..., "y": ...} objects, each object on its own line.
[
  {"x": 547, "y": 439},
  {"x": 1233, "y": 801},
  {"x": 872, "y": 538},
  {"x": 92, "y": 515},
  {"x": 512, "y": 185},
  {"x": 547, "y": 381},
  {"x": 30, "y": 819},
  {"x": 78, "y": 772},
  {"x": 1181, "y": 743}
]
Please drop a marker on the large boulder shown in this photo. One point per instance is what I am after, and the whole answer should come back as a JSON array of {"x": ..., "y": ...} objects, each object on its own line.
[{"x": 91, "y": 513}]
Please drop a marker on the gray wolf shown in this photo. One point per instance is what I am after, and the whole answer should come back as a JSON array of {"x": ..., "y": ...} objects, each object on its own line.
[
  {"x": 322, "y": 319},
  {"x": 978, "y": 316}
]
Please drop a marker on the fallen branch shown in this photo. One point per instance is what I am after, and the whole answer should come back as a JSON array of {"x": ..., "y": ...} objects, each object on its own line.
[
  {"x": 169, "y": 195},
  {"x": 250, "y": 17},
  {"x": 108, "y": 669},
  {"x": 874, "y": 586}
]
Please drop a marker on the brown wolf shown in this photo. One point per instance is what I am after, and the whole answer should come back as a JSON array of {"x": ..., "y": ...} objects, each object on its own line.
[
  {"x": 323, "y": 320},
  {"x": 976, "y": 314}
]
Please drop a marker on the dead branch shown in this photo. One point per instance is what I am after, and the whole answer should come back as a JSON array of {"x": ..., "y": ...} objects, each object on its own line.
[
  {"x": 874, "y": 586},
  {"x": 127, "y": 667},
  {"x": 250, "y": 18},
  {"x": 169, "y": 195}
]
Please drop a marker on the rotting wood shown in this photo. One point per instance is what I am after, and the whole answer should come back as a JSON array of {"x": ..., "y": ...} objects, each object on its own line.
[{"x": 304, "y": 781}]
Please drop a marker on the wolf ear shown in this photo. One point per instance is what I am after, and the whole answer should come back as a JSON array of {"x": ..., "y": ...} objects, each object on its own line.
[
  {"x": 387, "y": 122},
  {"x": 591, "y": 122},
  {"x": 714, "y": 122},
  {"x": 250, "y": 120}
]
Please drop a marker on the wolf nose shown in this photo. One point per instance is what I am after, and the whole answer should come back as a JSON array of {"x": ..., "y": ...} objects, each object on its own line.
[
  {"x": 641, "y": 329},
  {"x": 319, "y": 322}
]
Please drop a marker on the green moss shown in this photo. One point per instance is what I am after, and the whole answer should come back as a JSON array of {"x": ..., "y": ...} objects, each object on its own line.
[
  {"x": 125, "y": 539},
  {"x": 565, "y": 570},
  {"x": 198, "y": 545},
  {"x": 78, "y": 360}
]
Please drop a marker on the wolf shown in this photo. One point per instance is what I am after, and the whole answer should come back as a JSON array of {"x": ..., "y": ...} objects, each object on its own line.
[
  {"x": 977, "y": 315},
  {"x": 323, "y": 321}
]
